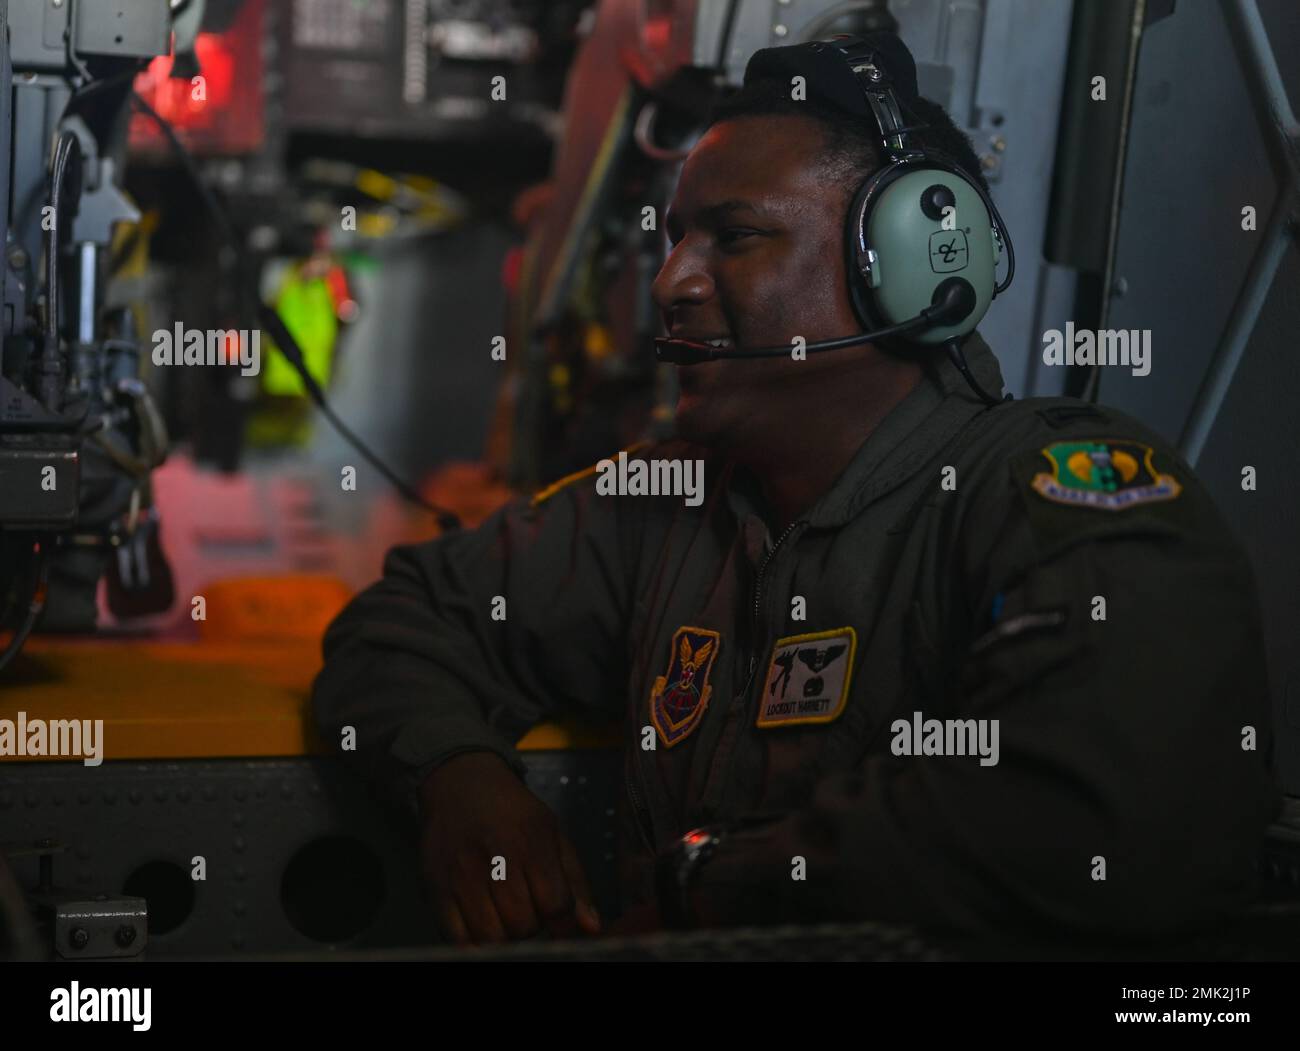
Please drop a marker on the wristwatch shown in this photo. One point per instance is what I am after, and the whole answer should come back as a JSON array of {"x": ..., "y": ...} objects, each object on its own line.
[{"x": 677, "y": 871}]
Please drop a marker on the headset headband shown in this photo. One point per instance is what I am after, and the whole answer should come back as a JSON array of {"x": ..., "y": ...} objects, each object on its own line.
[
  {"x": 877, "y": 86},
  {"x": 865, "y": 59}
]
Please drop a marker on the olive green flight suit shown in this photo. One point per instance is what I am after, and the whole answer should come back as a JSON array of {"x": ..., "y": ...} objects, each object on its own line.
[{"x": 1107, "y": 621}]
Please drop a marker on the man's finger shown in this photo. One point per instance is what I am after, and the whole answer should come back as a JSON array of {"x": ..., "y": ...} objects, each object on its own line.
[
  {"x": 584, "y": 903},
  {"x": 553, "y": 896},
  {"x": 453, "y": 924},
  {"x": 514, "y": 901},
  {"x": 479, "y": 910},
  {"x": 548, "y": 881}
]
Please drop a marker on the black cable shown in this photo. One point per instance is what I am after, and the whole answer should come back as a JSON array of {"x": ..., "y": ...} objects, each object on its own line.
[
  {"x": 94, "y": 87},
  {"x": 958, "y": 359},
  {"x": 289, "y": 347},
  {"x": 49, "y": 383},
  {"x": 35, "y": 604},
  {"x": 728, "y": 26},
  {"x": 926, "y": 317},
  {"x": 284, "y": 340}
]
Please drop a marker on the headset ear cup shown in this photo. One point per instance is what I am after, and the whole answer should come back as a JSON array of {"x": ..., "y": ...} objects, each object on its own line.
[
  {"x": 890, "y": 231},
  {"x": 921, "y": 251},
  {"x": 856, "y": 244},
  {"x": 859, "y": 293}
]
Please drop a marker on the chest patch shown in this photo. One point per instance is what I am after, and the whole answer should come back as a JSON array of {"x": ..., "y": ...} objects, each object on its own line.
[
  {"x": 1109, "y": 475},
  {"x": 808, "y": 678},
  {"x": 678, "y": 699}
]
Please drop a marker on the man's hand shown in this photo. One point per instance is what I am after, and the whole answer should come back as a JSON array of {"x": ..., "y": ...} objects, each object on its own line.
[
  {"x": 473, "y": 809},
  {"x": 638, "y": 920}
]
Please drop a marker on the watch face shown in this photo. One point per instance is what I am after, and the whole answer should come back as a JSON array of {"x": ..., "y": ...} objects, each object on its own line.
[
  {"x": 693, "y": 844},
  {"x": 676, "y": 870}
]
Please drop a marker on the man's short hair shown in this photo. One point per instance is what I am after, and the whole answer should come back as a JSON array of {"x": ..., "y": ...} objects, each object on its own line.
[{"x": 853, "y": 149}]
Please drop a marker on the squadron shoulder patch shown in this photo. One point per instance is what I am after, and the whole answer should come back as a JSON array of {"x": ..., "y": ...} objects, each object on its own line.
[
  {"x": 678, "y": 699},
  {"x": 808, "y": 678},
  {"x": 1103, "y": 474}
]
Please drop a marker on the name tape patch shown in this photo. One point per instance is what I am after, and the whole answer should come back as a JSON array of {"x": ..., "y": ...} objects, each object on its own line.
[{"x": 808, "y": 678}]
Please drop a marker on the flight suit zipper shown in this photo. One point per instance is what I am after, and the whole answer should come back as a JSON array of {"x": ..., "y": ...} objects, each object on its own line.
[
  {"x": 639, "y": 811},
  {"x": 757, "y": 611},
  {"x": 717, "y": 782}
]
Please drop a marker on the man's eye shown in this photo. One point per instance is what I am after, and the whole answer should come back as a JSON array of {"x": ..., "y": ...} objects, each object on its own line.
[{"x": 732, "y": 234}]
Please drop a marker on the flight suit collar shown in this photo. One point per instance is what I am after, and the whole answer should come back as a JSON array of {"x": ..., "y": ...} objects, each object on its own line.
[{"x": 914, "y": 430}]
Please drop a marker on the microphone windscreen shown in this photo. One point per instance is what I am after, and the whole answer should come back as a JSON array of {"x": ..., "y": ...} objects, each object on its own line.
[{"x": 680, "y": 352}]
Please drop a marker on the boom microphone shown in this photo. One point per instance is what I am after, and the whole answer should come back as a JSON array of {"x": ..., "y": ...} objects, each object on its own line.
[{"x": 953, "y": 302}]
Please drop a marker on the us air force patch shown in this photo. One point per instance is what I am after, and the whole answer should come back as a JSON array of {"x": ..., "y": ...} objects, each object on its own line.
[
  {"x": 678, "y": 699},
  {"x": 808, "y": 679},
  {"x": 1105, "y": 474}
]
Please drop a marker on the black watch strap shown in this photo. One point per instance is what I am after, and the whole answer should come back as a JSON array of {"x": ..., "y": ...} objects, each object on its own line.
[{"x": 677, "y": 871}]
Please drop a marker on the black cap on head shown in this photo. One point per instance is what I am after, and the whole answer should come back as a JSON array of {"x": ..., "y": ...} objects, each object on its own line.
[{"x": 828, "y": 78}]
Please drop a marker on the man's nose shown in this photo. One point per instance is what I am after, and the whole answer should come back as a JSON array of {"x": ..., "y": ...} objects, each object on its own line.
[{"x": 682, "y": 279}]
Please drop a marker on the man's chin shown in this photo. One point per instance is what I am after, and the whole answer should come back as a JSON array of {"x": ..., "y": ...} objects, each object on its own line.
[{"x": 694, "y": 422}]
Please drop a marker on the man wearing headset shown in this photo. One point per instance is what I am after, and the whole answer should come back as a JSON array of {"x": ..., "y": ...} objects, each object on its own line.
[{"x": 919, "y": 655}]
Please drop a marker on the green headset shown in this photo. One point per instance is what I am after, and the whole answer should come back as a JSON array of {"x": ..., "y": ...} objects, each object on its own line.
[
  {"x": 919, "y": 225},
  {"x": 923, "y": 239}
]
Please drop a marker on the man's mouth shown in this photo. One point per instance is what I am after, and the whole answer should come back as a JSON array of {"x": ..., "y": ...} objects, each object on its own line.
[{"x": 719, "y": 342}]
